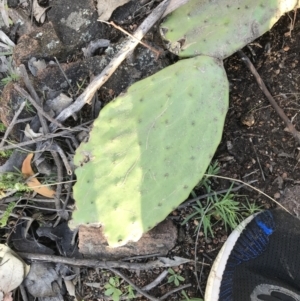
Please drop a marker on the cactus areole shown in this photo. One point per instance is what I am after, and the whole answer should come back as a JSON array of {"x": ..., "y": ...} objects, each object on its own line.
[{"x": 149, "y": 147}]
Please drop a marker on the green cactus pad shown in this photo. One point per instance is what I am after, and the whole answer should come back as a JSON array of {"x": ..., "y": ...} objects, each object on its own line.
[
  {"x": 149, "y": 148},
  {"x": 219, "y": 28}
]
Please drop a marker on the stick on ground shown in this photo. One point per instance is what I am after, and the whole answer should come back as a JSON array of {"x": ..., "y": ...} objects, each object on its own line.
[
  {"x": 100, "y": 79},
  {"x": 272, "y": 101},
  {"x": 94, "y": 263}
]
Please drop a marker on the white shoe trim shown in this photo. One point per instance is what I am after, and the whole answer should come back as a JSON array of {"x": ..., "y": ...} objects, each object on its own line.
[{"x": 212, "y": 290}]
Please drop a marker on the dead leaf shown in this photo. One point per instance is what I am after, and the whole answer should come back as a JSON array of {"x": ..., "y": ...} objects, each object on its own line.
[
  {"x": 12, "y": 271},
  {"x": 39, "y": 12},
  {"x": 5, "y": 39},
  {"x": 35, "y": 65},
  {"x": 29, "y": 133},
  {"x": 4, "y": 13},
  {"x": 33, "y": 182},
  {"x": 36, "y": 186},
  {"x": 43, "y": 282},
  {"x": 106, "y": 7},
  {"x": 70, "y": 288},
  {"x": 26, "y": 167},
  {"x": 59, "y": 103}
]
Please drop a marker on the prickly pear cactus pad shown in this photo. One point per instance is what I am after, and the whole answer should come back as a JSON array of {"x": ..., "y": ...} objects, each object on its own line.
[
  {"x": 149, "y": 148},
  {"x": 219, "y": 28}
]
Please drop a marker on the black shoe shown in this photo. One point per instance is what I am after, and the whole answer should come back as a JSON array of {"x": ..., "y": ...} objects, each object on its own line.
[{"x": 259, "y": 261}]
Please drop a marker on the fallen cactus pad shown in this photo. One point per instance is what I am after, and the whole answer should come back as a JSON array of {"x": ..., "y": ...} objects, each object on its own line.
[
  {"x": 219, "y": 28},
  {"x": 149, "y": 148}
]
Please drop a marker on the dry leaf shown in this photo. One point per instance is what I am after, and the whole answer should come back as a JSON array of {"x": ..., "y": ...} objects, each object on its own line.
[
  {"x": 4, "y": 13},
  {"x": 39, "y": 12},
  {"x": 26, "y": 166},
  {"x": 5, "y": 39},
  {"x": 35, "y": 65},
  {"x": 12, "y": 270},
  {"x": 34, "y": 183},
  {"x": 106, "y": 7},
  {"x": 29, "y": 133},
  {"x": 70, "y": 288},
  {"x": 36, "y": 186}
]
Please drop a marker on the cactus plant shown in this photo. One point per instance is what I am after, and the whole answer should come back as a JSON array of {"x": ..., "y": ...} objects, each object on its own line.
[
  {"x": 219, "y": 28},
  {"x": 150, "y": 147}
]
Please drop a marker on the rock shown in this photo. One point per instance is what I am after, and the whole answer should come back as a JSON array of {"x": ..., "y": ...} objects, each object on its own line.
[
  {"x": 75, "y": 22},
  {"x": 40, "y": 43},
  {"x": 159, "y": 240},
  {"x": 291, "y": 200},
  {"x": 143, "y": 64}
]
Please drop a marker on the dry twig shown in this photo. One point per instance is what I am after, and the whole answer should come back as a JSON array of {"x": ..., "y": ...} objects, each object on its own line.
[
  {"x": 156, "y": 281},
  {"x": 133, "y": 285},
  {"x": 179, "y": 288},
  {"x": 12, "y": 124},
  {"x": 37, "y": 106},
  {"x": 94, "y": 263},
  {"x": 272, "y": 101},
  {"x": 100, "y": 79},
  {"x": 133, "y": 37},
  {"x": 42, "y": 138}
]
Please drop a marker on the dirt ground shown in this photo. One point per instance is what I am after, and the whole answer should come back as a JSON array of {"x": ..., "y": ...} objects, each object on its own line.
[{"x": 255, "y": 147}]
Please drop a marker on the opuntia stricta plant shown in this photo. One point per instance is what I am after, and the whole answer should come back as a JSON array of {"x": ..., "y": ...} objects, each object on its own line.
[{"x": 151, "y": 146}]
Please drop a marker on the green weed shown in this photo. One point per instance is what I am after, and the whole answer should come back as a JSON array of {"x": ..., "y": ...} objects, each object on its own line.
[
  {"x": 11, "y": 75},
  {"x": 129, "y": 292},
  {"x": 174, "y": 277},
  {"x": 12, "y": 181},
  {"x": 112, "y": 288},
  {"x": 29, "y": 107},
  {"x": 220, "y": 208},
  {"x": 213, "y": 169},
  {"x": 6, "y": 153},
  {"x": 2, "y": 127},
  {"x": 6, "y": 214}
]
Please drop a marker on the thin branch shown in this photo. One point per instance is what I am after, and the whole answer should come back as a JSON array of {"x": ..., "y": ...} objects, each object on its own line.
[
  {"x": 100, "y": 79},
  {"x": 258, "y": 161},
  {"x": 36, "y": 100},
  {"x": 133, "y": 37},
  {"x": 37, "y": 106},
  {"x": 133, "y": 285},
  {"x": 156, "y": 281},
  {"x": 141, "y": 256},
  {"x": 28, "y": 84},
  {"x": 42, "y": 138},
  {"x": 272, "y": 101},
  {"x": 204, "y": 196},
  {"x": 55, "y": 147},
  {"x": 64, "y": 74},
  {"x": 93, "y": 263},
  {"x": 13, "y": 122},
  {"x": 179, "y": 288},
  {"x": 250, "y": 186}
]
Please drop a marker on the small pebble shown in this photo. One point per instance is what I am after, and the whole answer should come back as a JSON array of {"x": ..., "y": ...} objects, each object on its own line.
[{"x": 277, "y": 195}]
